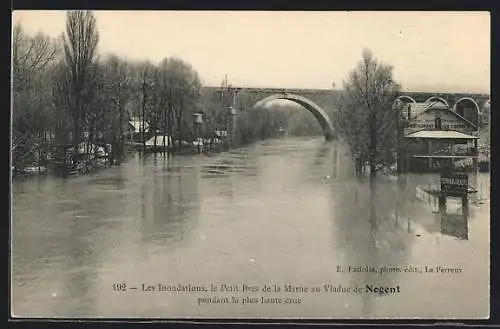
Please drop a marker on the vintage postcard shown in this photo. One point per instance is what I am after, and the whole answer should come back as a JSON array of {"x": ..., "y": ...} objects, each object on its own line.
[{"x": 236, "y": 165}]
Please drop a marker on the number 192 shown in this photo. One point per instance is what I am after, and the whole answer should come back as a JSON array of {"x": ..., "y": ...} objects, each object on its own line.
[{"x": 119, "y": 286}]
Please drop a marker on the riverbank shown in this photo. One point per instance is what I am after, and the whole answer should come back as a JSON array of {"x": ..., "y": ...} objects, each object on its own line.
[
  {"x": 85, "y": 163},
  {"x": 266, "y": 212}
]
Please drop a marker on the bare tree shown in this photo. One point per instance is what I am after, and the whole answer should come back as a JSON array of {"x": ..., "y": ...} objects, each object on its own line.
[
  {"x": 80, "y": 49},
  {"x": 366, "y": 118},
  {"x": 115, "y": 94},
  {"x": 145, "y": 76},
  {"x": 32, "y": 56},
  {"x": 180, "y": 87},
  {"x": 154, "y": 113},
  {"x": 145, "y": 80}
]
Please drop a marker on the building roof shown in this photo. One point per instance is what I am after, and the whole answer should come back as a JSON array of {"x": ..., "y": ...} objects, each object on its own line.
[
  {"x": 137, "y": 125},
  {"x": 418, "y": 108},
  {"x": 159, "y": 140},
  {"x": 440, "y": 134}
]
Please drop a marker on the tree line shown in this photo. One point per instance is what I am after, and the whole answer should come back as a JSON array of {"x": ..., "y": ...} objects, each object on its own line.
[{"x": 65, "y": 93}]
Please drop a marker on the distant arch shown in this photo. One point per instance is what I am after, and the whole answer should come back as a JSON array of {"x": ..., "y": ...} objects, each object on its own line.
[
  {"x": 461, "y": 110},
  {"x": 486, "y": 105},
  {"x": 486, "y": 112},
  {"x": 464, "y": 99},
  {"x": 407, "y": 98},
  {"x": 438, "y": 99},
  {"x": 315, "y": 109},
  {"x": 403, "y": 104}
]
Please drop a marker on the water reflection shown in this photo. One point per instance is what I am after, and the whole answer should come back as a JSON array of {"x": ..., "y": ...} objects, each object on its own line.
[
  {"x": 368, "y": 236},
  {"x": 384, "y": 224},
  {"x": 455, "y": 225},
  {"x": 173, "y": 200},
  {"x": 368, "y": 228},
  {"x": 322, "y": 154},
  {"x": 64, "y": 238},
  {"x": 282, "y": 211}
]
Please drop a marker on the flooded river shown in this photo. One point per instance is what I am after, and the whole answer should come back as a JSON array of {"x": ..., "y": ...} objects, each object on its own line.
[{"x": 275, "y": 229}]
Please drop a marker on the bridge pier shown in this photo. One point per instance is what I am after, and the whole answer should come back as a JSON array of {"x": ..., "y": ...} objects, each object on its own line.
[{"x": 330, "y": 136}]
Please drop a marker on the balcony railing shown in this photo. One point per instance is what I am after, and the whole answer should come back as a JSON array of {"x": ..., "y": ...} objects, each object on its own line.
[
  {"x": 458, "y": 150},
  {"x": 442, "y": 150}
]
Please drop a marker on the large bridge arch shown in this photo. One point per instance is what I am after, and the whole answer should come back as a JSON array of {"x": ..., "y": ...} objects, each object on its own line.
[{"x": 315, "y": 109}]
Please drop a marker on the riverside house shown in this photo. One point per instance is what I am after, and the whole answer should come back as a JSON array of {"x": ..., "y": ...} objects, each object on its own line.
[
  {"x": 438, "y": 138},
  {"x": 134, "y": 131}
]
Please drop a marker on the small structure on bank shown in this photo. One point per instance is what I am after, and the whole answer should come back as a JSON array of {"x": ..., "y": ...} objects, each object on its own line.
[
  {"x": 135, "y": 131},
  {"x": 160, "y": 143},
  {"x": 438, "y": 138}
]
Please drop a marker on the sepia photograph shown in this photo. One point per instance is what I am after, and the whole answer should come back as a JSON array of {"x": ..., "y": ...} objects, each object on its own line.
[{"x": 250, "y": 164}]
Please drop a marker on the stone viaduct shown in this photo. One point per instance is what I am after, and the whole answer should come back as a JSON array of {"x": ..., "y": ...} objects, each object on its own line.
[{"x": 322, "y": 102}]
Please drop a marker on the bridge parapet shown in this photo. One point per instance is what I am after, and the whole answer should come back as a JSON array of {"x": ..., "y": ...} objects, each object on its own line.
[
  {"x": 326, "y": 99},
  {"x": 451, "y": 98},
  {"x": 271, "y": 91}
]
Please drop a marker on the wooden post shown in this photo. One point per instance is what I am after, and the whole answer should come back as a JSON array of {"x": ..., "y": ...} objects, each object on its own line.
[
  {"x": 475, "y": 158},
  {"x": 39, "y": 156},
  {"x": 337, "y": 162},
  {"x": 198, "y": 136},
  {"x": 64, "y": 163},
  {"x": 442, "y": 203},
  {"x": 429, "y": 152},
  {"x": 465, "y": 206},
  {"x": 234, "y": 138}
]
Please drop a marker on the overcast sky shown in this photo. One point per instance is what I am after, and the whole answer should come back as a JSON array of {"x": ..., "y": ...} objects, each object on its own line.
[{"x": 430, "y": 51}]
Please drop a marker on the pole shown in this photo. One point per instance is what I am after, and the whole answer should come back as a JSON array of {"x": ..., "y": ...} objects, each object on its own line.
[
  {"x": 198, "y": 120},
  {"x": 227, "y": 95},
  {"x": 198, "y": 135},
  {"x": 235, "y": 119}
]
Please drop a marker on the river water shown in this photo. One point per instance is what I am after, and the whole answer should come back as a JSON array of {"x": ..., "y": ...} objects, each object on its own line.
[{"x": 283, "y": 214}]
